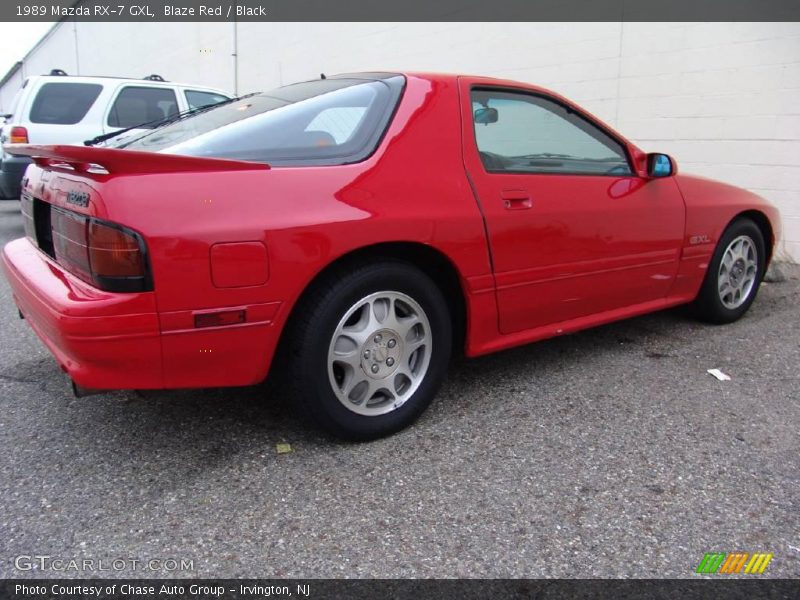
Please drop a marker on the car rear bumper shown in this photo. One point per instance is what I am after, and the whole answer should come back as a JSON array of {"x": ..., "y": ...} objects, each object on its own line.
[
  {"x": 12, "y": 169},
  {"x": 101, "y": 340},
  {"x": 106, "y": 340}
]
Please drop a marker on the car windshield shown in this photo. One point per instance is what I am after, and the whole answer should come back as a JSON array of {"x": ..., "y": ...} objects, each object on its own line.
[{"x": 327, "y": 121}]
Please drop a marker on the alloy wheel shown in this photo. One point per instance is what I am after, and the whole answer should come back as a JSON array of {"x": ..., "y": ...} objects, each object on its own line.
[
  {"x": 379, "y": 353},
  {"x": 738, "y": 271}
]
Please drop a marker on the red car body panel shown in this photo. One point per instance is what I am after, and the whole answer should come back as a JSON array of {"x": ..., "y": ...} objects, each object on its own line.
[
  {"x": 711, "y": 206},
  {"x": 106, "y": 340},
  {"x": 228, "y": 236}
]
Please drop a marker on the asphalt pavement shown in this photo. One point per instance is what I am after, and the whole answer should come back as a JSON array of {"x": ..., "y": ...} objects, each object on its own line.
[{"x": 609, "y": 453}]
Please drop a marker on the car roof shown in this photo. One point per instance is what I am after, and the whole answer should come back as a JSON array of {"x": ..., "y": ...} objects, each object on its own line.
[{"x": 437, "y": 76}]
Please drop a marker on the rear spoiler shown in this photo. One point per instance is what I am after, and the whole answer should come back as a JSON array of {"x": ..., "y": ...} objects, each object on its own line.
[{"x": 104, "y": 161}]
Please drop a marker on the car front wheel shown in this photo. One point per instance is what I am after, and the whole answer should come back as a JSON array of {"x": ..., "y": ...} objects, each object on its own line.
[
  {"x": 734, "y": 274},
  {"x": 370, "y": 348}
]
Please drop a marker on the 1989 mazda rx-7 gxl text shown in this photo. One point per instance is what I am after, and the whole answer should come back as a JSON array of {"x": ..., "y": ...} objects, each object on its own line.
[{"x": 354, "y": 229}]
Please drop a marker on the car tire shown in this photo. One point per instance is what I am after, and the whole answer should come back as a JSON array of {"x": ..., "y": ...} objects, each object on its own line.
[
  {"x": 734, "y": 274},
  {"x": 368, "y": 349}
]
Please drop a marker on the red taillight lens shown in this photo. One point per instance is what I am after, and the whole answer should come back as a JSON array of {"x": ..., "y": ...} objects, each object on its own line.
[
  {"x": 106, "y": 255},
  {"x": 18, "y": 135},
  {"x": 114, "y": 252}
]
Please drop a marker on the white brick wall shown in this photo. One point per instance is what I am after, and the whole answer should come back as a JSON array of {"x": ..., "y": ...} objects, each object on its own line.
[{"x": 721, "y": 97}]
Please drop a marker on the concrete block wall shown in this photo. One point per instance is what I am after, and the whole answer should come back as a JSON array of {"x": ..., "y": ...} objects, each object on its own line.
[{"x": 722, "y": 98}]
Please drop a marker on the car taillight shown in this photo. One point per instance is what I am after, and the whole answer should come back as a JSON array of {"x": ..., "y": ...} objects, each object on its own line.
[
  {"x": 105, "y": 254},
  {"x": 26, "y": 208},
  {"x": 114, "y": 253},
  {"x": 18, "y": 135},
  {"x": 70, "y": 243}
]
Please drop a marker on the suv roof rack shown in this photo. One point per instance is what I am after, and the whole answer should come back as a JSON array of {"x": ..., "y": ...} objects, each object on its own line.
[{"x": 62, "y": 73}]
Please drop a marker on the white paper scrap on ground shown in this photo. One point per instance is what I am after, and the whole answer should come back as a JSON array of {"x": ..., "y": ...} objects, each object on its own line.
[{"x": 719, "y": 374}]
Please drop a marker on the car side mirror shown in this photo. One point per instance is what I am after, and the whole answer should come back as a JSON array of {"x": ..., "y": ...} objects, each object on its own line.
[
  {"x": 660, "y": 165},
  {"x": 484, "y": 116}
]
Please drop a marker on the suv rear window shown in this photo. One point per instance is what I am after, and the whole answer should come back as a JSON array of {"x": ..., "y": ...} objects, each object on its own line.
[
  {"x": 63, "y": 103},
  {"x": 140, "y": 105},
  {"x": 321, "y": 122}
]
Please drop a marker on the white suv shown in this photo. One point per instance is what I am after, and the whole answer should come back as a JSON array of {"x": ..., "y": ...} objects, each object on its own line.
[{"x": 59, "y": 109}]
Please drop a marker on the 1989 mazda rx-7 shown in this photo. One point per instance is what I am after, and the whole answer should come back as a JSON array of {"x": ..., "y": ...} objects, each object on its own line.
[{"x": 354, "y": 229}]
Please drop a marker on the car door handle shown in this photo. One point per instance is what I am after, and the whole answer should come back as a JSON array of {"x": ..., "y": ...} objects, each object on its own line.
[{"x": 516, "y": 199}]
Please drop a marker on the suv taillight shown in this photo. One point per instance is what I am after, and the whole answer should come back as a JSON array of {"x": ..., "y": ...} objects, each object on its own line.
[
  {"x": 18, "y": 135},
  {"x": 109, "y": 256}
]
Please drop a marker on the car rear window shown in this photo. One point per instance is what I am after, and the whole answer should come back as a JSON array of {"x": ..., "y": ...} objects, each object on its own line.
[
  {"x": 138, "y": 105},
  {"x": 326, "y": 121},
  {"x": 63, "y": 103}
]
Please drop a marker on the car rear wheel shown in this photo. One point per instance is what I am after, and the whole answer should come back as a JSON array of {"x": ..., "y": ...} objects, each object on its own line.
[
  {"x": 369, "y": 349},
  {"x": 734, "y": 274}
]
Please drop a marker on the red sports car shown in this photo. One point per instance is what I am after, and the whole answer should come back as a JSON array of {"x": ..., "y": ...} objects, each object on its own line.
[{"x": 355, "y": 229}]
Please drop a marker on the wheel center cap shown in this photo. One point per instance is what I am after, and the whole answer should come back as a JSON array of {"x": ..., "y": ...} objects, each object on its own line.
[
  {"x": 737, "y": 270},
  {"x": 381, "y": 354}
]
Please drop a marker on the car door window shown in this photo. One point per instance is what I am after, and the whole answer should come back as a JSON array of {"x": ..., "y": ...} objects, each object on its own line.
[
  {"x": 525, "y": 133},
  {"x": 198, "y": 99},
  {"x": 139, "y": 105}
]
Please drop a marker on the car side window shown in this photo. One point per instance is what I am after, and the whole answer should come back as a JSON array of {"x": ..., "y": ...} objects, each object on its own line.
[
  {"x": 136, "y": 105},
  {"x": 198, "y": 99},
  {"x": 526, "y": 133},
  {"x": 63, "y": 103}
]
